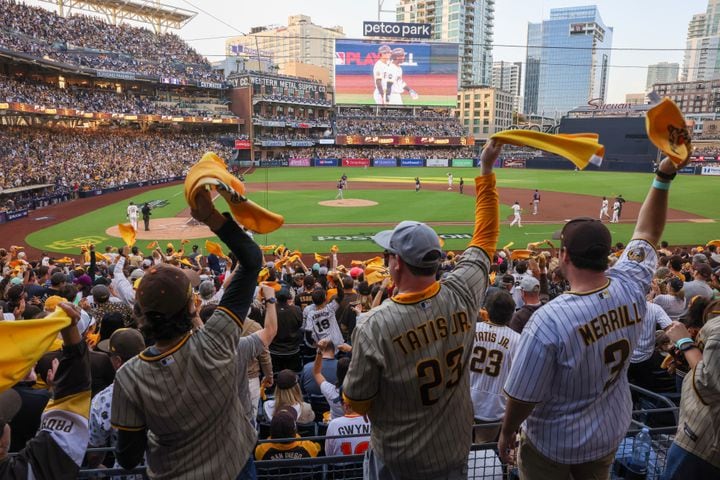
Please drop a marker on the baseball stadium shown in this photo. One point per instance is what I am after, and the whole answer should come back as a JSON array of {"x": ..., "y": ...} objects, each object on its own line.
[{"x": 260, "y": 269}]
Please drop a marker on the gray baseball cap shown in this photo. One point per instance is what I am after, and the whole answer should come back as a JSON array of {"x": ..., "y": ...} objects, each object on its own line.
[{"x": 412, "y": 241}]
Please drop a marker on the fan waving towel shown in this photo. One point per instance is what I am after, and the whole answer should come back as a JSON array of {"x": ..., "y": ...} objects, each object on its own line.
[
  {"x": 24, "y": 342},
  {"x": 667, "y": 130},
  {"x": 580, "y": 148},
  {"x": 212, "y": 171}
]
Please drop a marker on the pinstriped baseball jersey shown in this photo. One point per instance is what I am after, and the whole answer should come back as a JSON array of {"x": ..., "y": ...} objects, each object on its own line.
[
  {"x": 410, "y": 358},
  {"x": 323, "y": 324},
  {"x": 654, "y": 318},
  {"x": 168, "y": 395},
  {"x": 700, "y": 402},
  {"x": 493, "y": 351},
  {"x": 572, "y": 362}
]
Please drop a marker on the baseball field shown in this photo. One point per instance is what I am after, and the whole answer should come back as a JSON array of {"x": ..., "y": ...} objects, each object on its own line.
[{"x": 376, "y": 199}]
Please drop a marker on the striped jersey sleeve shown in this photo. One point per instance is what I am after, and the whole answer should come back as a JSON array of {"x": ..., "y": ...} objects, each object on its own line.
[{"x": 532, "y": 369}]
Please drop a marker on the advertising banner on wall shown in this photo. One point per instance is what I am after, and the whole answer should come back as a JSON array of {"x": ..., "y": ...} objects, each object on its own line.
[
  {"x": 274, "y": 162},
  {"x": 242, "y": 144},
  {"x": 407, "y": 73},
  {"x": 326, "y": 162},
  {"x": 437, "y": 162},
  {"x": 397, "y": 30},
  {"x": 299, "y": 162},
  {"x": 462, "y": 162},
  {"x": 355, "y": 162},
  {"x": 395, "y": 140},
  {"x": 710, "y": 171},
  {"x": 384, "y": 162},
  {"x": 411, "y": 162}
]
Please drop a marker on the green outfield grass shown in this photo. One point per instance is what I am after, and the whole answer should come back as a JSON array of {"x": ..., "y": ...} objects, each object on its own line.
[{"x": 689, "y": 193}]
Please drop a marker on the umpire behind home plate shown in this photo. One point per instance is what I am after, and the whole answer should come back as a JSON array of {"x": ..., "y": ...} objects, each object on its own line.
[{"x": 408, "y": 369}]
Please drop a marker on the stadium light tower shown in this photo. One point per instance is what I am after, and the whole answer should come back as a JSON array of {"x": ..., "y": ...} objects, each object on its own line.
[{"x": 381, "y": 11}]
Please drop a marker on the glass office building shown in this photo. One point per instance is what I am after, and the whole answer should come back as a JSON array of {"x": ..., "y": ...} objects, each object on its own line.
[{"x": 567, "y": 61}]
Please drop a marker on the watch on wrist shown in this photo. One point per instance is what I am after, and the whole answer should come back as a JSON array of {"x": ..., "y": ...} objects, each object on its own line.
[
  {"x": 687, "y": 346},
  {"x": 665, "y": 176},
  {"x": 270, "y": 300}
]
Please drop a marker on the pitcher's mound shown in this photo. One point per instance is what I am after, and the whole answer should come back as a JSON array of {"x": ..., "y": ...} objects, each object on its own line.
[{"x": 348, "y": 202}]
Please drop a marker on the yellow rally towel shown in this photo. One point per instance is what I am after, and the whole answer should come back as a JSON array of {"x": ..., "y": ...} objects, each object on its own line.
[
  {"x": 23, "y": 343},
  {"x": 263, "y": 275},
  {"x": 127, "y": 233},
  {"x": 714, "y": 242},
  {"x": 267, "y": 248},
  {"x": 212, "y": 171},
  {"x": 379, "y": 261},
  {"x": 579, "y": 148},
  {"x": 521, "y": 254},
  {"x": 152, "y": 245},
  {"x": 320, "y": 258},
  {"x": 357, "y": 263},
  {"x": 508, "y": 245},
  {"x": 212, "y": 247},
  {"x": 668, "y": 131},
  {"x": 334, "y": 249}
]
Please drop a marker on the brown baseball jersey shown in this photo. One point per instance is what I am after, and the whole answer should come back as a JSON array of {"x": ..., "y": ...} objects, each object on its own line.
[
  {"x": 168, "y": 394},
  {"x": 700, "y": 404},
  {"x": 408, "y": 369}
]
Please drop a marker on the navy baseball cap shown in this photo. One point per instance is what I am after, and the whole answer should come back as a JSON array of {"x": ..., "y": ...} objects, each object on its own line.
[
  {"x": 413, "y": 242},
  {"x": 586, "y": 237}
]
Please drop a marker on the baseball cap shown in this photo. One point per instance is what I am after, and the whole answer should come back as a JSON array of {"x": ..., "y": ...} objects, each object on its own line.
[
  {"x": 16, "y": 281},
  {"x": 124, "y": 342},
  {"x": 586, "y": 237},
  {"x": 164, "y": 289},
  {"x": 356, "y": 272},
  {"x": 83, "y": 280},
  {"x": 699, "y": 258},
  {"x": 286, "y": 379},
  {"x": 704, "y": 270},
  {"x": 10, "y": 403},
  {"x": 206, "y": 290},
  {"x": 384, "y": 49},
  {"x": 323, "y": 270},
  {"x": 100, "y": 293},
  {"x": 416, "y": 243},
  {"x": 147, "y": 263},
  {"x": 57, "y": 278},
  {"x": 283, "y": 423},
  {"x": 135, "y": 274},
  {"x": 529, "y": 284},
  {"x": 193, "y": 276}
]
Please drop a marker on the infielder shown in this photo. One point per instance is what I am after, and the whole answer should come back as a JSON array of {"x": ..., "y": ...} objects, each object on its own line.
[
  {"x": 408, "y": 370},
  {"x": 536, "y": 202},
  {"x": 516, "y": 208},
  {"x": 132, "y": 215},
  {"x": 417, "y": 184},
  {"x": 568, "y": 382},
  {"x": 450, "y": 180},
  {"x": 604, "y": 208},
  {"x": 340, "y": 187},
  {"x": 616, "y": 212},
  {"x": 380, "y": 71}
]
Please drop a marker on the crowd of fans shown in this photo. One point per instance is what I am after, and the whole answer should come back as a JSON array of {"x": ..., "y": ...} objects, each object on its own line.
[
  {"x": 90, "y": 42},
  {"x": 318, "y": 102},
  {"x": 88, "y": 159},
  {"x": 382, "y": 152},
  {"x": 398, "y": 122}
]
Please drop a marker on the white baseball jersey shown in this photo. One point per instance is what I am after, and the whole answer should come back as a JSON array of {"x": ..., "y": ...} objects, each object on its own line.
[
  {"x": 347, "y": 425},
  {"x": 132, "y": 211},
  {"x": 409, "y": 358},
  {"x": 450, "y": 180},
  {"x": 616, "y": 206},
  {"x": 515, "y": 290},
  {"x": 322, "y": 323},
  {"x": 494, "y": 348},
  {"x": 605, "y": 204},
  {"x": 573, "y": 358},
  {"x": 645, "y": 347},
  {"x": 516, "y": 209},
  {"x": 395, "y": 75},
  {"x": 380, "y": 72}
]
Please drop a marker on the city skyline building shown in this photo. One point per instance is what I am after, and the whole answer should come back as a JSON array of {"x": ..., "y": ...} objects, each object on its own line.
[
  {"x": 507, "y": 76},
  {"x": 469, "y": 23},
  {"x": 701, "y": 61},
  {"x": 568, "y": 60},
  {"x": 662, "y": 72}
]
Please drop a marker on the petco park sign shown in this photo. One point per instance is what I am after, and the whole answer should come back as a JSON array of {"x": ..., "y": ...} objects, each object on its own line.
[
  {"x": 397, "y": 30},
  {"x": 362, "y": 237}
]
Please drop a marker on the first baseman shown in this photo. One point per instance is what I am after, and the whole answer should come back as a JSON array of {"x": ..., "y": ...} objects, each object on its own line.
[
  {"x": 408, "y": 370},
  {"x": 569, "y": 380}
]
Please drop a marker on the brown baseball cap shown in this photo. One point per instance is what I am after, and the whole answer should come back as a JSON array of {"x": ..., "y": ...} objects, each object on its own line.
[
  {"x": 124, "y": 342},
  {"x": 164, "y": 289},
  {"x": 286, "y": 379},
  {"x": 586, "y": 237}
]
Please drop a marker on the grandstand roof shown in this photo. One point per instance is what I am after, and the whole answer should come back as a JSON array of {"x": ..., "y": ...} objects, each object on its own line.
[{"x": 152, "y": 12}]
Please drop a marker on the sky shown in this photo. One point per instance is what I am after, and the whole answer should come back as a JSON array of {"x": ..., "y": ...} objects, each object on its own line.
[{"x": 636, "y": 23}]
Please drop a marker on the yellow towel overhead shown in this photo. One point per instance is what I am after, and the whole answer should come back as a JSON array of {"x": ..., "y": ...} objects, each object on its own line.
[
  {"x": 127, "y": 233},
  {"x": 668, "y": 131},
  {"x": 580, "y": 148},
  {"x": 22, "y": 343},
  {"x": 211, "y": 171}
]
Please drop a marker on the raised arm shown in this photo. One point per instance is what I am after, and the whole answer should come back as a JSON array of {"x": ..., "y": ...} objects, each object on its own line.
[
  {"x": 267, "y": 334},
  {"x": 487, "y": 218},
  {"x": 653, "y": 213}
]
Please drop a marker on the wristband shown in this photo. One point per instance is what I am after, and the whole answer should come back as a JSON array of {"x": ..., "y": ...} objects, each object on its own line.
[
  {"x": 657, "y": 184},
  {"x": 665, "y": 176},
  {"x": 682, "y": 342}
]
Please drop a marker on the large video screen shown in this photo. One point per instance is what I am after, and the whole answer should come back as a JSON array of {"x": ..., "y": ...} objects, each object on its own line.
[{"x": 385, "y": 73}]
